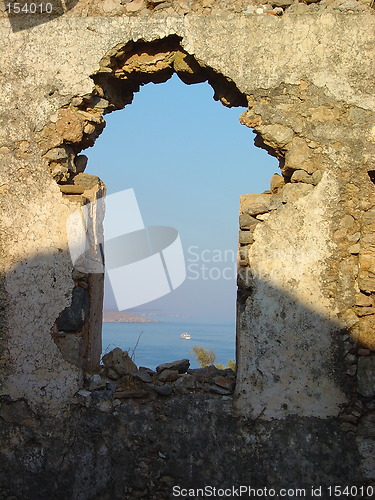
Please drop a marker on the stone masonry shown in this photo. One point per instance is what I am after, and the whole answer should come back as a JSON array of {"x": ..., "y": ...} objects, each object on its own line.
[{"x": 301, "y": 412}]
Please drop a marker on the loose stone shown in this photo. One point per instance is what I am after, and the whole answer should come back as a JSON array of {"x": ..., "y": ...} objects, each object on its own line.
[
  {"x": 224, "y": 382},
  {"x": 163, "y": 390},
  {"x": 247, "y": 221},
  {"x": 96, "y": 382},
  {"x": 219, "y": 390},
  {"x": 143, "y": 376},
  {"x": 56, "y": 154},
  {"x": 263, "y": 217},
  {"x": 168, "y": 375},
  {"x": 84, "y": 393},
  {"x": 181, "y": 366},
  {"x": 71, "y": 189},
  {"x": 277, "y": 183},
  {"x": 119, "y": 361},
  {"x": 147, "y": 370},
  {"x": 246, "y": 237},
  {"x": 185, "y": 383}
]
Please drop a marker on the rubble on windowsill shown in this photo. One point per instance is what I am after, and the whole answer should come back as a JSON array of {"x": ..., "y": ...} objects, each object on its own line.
[{"x": 120, "y": 380}]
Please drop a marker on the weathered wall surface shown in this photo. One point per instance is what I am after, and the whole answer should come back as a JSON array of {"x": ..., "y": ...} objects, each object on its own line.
[
  {"x": 306, "y": 261},
  {"x": 144, "y": 451}
]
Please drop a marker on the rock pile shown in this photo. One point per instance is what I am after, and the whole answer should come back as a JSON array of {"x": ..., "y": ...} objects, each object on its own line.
[{"x": 120, "y": 379}]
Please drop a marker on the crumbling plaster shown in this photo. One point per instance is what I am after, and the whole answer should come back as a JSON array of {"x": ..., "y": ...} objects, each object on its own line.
[
  {"x": 307, "y": 47},
  {"x": 306, "y": 281},
  {"x": 273, "y": 57},
  {"x": 283, "y": 361}
]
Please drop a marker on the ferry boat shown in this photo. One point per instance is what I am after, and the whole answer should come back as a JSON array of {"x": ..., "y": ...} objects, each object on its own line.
[{"x": 186, "y": 336}]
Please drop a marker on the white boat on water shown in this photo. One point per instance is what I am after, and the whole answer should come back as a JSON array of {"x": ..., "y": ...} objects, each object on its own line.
[{"x": 186, "y": 336}]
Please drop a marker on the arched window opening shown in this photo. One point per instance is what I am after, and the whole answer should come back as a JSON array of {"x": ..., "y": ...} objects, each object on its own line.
[
  {"x": 187, "y": 160},
  {"x": 183, "y": 166}
]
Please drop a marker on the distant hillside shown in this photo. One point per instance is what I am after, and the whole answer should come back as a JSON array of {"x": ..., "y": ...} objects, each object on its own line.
[{"x": 124, "y": 317}]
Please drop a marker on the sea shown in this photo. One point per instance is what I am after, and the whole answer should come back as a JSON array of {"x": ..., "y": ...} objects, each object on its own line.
[{"x": 151, "y": 344}]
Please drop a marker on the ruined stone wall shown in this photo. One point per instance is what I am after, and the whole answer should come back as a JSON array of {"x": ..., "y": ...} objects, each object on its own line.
[{"x": 305, "y": 341}]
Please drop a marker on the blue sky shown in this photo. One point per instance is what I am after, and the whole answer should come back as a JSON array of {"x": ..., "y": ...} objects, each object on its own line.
[{"x": 188, "y": 159}]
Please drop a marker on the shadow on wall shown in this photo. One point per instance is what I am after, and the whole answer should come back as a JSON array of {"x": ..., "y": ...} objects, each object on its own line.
[
  {"x": 285, "y": 344},
  {"x": 24, "y": 15},
  {"x": 128, "y": 448},
  {"x": 291, "y": 359}
]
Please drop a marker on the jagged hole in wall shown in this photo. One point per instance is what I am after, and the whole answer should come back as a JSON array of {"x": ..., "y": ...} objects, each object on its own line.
[
  {"x": 168, "y": 146},
  {"x": 198, "y": 195},
  {"x": 187, "y": 169}
]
